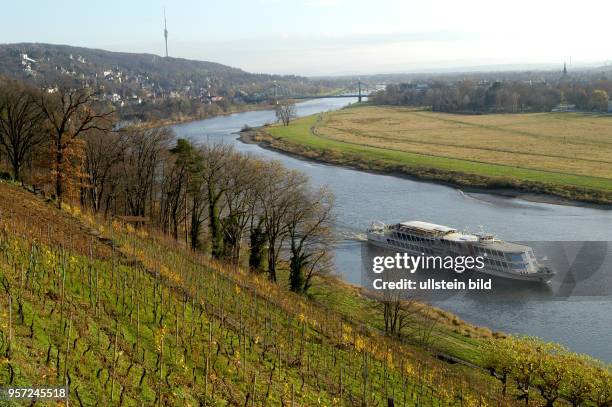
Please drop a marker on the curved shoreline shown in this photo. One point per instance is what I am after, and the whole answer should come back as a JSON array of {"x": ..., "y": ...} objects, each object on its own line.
[
  {"x": 152, "y": 124},
  {"x": 251, "y": 137}
]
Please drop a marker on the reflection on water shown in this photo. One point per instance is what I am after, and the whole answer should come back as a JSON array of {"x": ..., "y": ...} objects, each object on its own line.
[
  {"x": 583, "y": 323},
  {"x": 581, "y": 274}
]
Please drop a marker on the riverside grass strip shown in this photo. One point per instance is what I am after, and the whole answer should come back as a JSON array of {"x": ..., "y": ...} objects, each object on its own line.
[{"x": 533, "y": 152}]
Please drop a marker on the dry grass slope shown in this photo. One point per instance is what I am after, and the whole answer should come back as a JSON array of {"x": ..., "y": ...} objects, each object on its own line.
[
  {"x": 565, "y": 143},
  {"x": 567, "y": 155},
  {"x": 150, "y": 323}
]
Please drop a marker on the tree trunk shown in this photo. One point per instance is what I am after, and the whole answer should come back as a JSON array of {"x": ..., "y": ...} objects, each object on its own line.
[
  {"x": 195, "y": 228},
  {"x": 272, "y": 263},
  {"x": 59, "y": 187},
  {"x": 16, "y": 169},
  {"x": 215, "y": 226}
]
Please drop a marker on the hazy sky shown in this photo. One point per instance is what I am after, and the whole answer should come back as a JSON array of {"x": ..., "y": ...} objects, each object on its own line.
[{"x": 315, "y": 37}]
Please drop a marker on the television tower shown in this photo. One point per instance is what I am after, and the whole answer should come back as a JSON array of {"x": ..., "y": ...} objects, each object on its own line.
[{"x": 166, "y": 32}]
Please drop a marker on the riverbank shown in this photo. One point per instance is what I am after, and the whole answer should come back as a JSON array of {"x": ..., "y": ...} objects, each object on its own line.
[
  {"x": 234, "y": 109},
  {"x": 263, "y": 139},
  {"x": 304, "y": 139},
  {"x": 150, "y": 124},
  {"x": 439, "y": 331}
]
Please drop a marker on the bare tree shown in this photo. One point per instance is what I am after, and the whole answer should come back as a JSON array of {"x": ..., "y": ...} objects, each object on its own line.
[
  {"x": 143, "y": 156},
  {"x": 173, "y": 205},
  {"x": 173, "y": 188},
  {"x": 277, "y": 199},
  {"x": 21, "y": 124},
  {"x": 192, "y": 159},
  {"x": 285, "y": 111},
  {"x": 216, "y": 160},
  {"x": 70, "y": 114},
  {"x": 405, "y": 317},
  {"x": 103, "y": 154},
  {"x": 309, "y": 225},
  {"x": 395, "y": 311},
  {"x": 243, "y": 183}
]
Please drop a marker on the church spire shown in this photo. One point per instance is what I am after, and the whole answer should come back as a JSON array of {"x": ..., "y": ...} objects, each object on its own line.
[{"x": 564, "y": 68}]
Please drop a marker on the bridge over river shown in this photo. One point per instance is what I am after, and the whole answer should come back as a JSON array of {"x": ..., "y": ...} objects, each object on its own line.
[{"x": 357, "y": 90}]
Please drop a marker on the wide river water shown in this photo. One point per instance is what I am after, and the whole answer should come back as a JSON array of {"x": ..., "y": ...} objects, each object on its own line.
[{"x": 580, "y": 318}]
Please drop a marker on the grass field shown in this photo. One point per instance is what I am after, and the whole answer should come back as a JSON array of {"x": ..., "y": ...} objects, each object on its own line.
[{"x": 568, "y": 154}]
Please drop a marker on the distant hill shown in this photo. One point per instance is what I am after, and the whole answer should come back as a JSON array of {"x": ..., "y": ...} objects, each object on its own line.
[
  {"x": 147, "y": 86},
  {"x": 121, "y": 72}
]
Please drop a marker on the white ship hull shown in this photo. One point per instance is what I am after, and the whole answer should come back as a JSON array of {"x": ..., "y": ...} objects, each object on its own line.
[{"x": 383, "y": 237}]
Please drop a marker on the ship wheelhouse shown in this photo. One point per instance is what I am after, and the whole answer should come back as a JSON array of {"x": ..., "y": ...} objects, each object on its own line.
[{"x": 416, "y": 236}]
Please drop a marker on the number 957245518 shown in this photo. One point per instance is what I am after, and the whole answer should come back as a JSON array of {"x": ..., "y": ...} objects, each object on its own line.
[{"x": 29, "y": 393}]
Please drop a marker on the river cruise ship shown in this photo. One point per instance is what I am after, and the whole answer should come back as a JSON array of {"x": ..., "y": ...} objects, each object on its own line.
[{"x": 500, "y": 258}]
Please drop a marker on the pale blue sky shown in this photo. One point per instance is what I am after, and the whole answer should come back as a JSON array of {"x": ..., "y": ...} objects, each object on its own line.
[{"x": 315, "y": 37}]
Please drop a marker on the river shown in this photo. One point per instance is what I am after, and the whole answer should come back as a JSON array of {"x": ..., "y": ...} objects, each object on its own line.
[{"x": 583, "y": 322}]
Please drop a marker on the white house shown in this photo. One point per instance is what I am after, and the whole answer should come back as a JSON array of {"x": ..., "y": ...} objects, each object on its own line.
[{"x": 25, "y": 58}]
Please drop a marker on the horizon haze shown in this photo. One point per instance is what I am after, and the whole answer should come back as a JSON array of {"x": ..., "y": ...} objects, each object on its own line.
[{"x": 331, "y": 37}]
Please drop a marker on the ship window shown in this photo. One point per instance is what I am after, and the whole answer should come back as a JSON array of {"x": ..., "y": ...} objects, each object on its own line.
[
  {"x": 519, "y": 266},
  {"x": 515, "y": 257}
]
